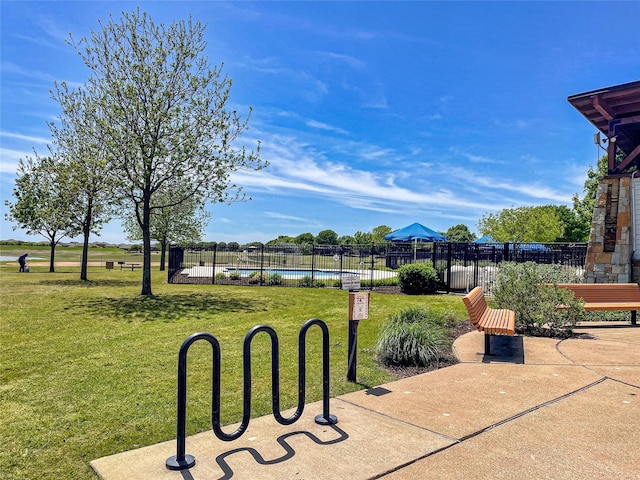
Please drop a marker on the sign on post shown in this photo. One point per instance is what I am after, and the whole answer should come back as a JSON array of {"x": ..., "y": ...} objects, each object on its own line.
[
  {"x": 358, "y": 305},
  {"x": 350, "y": 282},
  {"x": 358, "y": 310}
]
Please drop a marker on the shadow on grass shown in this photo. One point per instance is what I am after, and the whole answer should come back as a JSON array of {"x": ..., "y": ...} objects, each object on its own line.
[{"x": 167, "y": 307}]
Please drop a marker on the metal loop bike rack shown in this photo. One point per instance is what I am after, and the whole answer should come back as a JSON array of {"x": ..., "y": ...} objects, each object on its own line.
[{"x": 181, "y": 460}]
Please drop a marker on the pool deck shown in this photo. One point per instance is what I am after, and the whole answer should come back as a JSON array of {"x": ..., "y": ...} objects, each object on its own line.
[{"x": 538, "y": 408}]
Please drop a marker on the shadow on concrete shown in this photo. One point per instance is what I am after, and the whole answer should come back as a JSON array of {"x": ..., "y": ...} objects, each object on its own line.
[
  {"x": 282, "y": 440},
  {"x": 505, "y": 349}
]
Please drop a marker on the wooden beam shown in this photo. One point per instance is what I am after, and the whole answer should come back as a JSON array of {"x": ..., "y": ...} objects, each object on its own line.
[
  {"x": 628, "y": 160},
  {"x": 602, "y": 109}
]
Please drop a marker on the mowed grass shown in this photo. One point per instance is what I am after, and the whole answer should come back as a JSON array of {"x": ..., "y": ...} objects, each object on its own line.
[{"x": 88, "y": 369}]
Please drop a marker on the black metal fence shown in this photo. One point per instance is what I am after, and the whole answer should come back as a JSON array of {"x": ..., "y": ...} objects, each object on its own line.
[{"x": 460, "y": 266}]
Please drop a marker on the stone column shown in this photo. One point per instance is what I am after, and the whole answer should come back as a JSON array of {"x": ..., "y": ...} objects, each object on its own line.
[{"x": 610, "y": 240}]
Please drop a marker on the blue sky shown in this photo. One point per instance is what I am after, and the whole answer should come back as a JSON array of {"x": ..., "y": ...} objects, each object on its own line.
[{"x": 369, "y": 113}]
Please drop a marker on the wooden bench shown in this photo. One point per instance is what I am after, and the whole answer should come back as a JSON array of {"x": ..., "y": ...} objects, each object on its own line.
[
  {"x": 607, "y": 296},
  {"x": 490, "y": 321}
]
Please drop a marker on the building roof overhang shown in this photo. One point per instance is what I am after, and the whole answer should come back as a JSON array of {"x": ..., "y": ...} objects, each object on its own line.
[{"x": 614, "y": 111}]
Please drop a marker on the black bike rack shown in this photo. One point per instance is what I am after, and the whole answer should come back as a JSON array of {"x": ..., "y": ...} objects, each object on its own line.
[{"x": 181, "y": 460}]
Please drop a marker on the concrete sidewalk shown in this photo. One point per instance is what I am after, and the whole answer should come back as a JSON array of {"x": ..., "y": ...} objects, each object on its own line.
[{"x": 539, "y": 408}]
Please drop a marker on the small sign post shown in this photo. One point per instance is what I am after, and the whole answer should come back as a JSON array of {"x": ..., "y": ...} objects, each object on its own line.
[
  {"x": 358, "y": 310},
  {"x": 350, "y": 282}
]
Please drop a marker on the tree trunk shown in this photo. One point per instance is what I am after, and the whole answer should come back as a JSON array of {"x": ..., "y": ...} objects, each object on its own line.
[
  {"x": 146, "y": 247},
  {"x": 85, "y": 245},
  {"x": 52, "y": 256},
  {"x": 163, "y": 254}
]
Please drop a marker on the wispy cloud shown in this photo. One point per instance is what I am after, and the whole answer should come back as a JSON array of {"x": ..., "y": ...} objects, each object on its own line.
[
  {"x": 15, "y": 69},
  {"x": 10, "y": 159},
  {"x": 272, "y": 66},
  {"x": 325, "y": 126},
  {"x": 295, "y": 170},
  {"x": 375, "y": 97},
  {"x": 282, "y": 216},
  {"x": 26, "y": 138},
  {"x": 531, "y": 190},
  {"x": 481, "y": 159},
  {"x": 344, "y": 59}
]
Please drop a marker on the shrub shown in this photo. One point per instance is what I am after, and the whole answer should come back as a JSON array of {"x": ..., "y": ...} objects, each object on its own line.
[
  {"x": 418, "y": 279},
  {"x": 413, "y": 337},
  {"x": 518, "y": 287},
  {"x": 305, "y": 281},
  {"x": 235, "y": 276},
  {"x": 273, "y": 279},
  {"x": 220, "y": 276}
]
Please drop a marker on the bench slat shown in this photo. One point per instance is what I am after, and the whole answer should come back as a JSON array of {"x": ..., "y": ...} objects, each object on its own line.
[
  {"x": 606, "y": 296},
  {"x": 490, "y": 321},
  {"x": 604, "y": 292}
]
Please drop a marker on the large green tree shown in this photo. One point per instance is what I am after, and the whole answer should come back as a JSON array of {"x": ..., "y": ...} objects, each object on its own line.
[
  {"x": 378, "y": 233},
  {"x": 459, "y": 233},
  {"x": 522, "y": 224},
  {"x": 163, "y": 115},
  {"x": 327, "y": 237},
  {"x": 304, "y": 238},
  {"x": 362, "y": 238},
  {"x": 42, "y": 200},
  {"x": 575, "y": 227},
  {"x": 583, "y": 207}
]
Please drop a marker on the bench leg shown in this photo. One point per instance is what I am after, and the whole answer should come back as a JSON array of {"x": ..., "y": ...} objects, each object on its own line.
[
  {"x": 633, "y": 317},
  {"x": 487, "y": 344}
]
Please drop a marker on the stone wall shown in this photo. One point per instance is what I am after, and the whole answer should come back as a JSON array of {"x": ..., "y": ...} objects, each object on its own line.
[{"x": 610, "y": 240}]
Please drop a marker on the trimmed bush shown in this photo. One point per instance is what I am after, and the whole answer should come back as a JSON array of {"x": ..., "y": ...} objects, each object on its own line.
[
  {"x": 519, "y": 287},
  {"x": 413, "y": 337},
  {"x": 418, "y": 279},
  {"x": 254, "y": 278},
  {"x": 305, "y": 282},
  {"x": 272, "y": 279}
]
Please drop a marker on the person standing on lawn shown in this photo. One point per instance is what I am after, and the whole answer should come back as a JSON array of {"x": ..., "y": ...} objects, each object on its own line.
[{"x": 23, "y": 261}]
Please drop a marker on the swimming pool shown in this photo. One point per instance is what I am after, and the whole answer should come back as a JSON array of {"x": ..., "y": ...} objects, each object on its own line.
[{"x": 292, "y": 273}]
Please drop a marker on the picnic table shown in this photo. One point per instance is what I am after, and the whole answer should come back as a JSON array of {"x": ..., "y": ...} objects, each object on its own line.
[{"x": 129, "y": 265}]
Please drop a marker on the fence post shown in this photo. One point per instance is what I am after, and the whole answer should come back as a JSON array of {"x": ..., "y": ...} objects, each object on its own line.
[
  {"x": 261, "y": 263},
  {"x": 373, "y": 261},
  {"x": 213, "y": 264},
  {"x": 448, "y": 267}
]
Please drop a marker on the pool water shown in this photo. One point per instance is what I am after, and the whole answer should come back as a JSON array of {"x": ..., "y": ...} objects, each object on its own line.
[{"x": 291, "y": 273}]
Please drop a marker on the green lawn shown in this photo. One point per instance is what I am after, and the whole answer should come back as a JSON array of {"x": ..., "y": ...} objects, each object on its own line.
[{"x": 88, "y": 369}]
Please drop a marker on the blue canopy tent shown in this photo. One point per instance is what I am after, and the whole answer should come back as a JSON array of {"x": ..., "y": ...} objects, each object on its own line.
[
  {"x": 413, "y": 233},
  {"x": 485, "y": 239}
]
